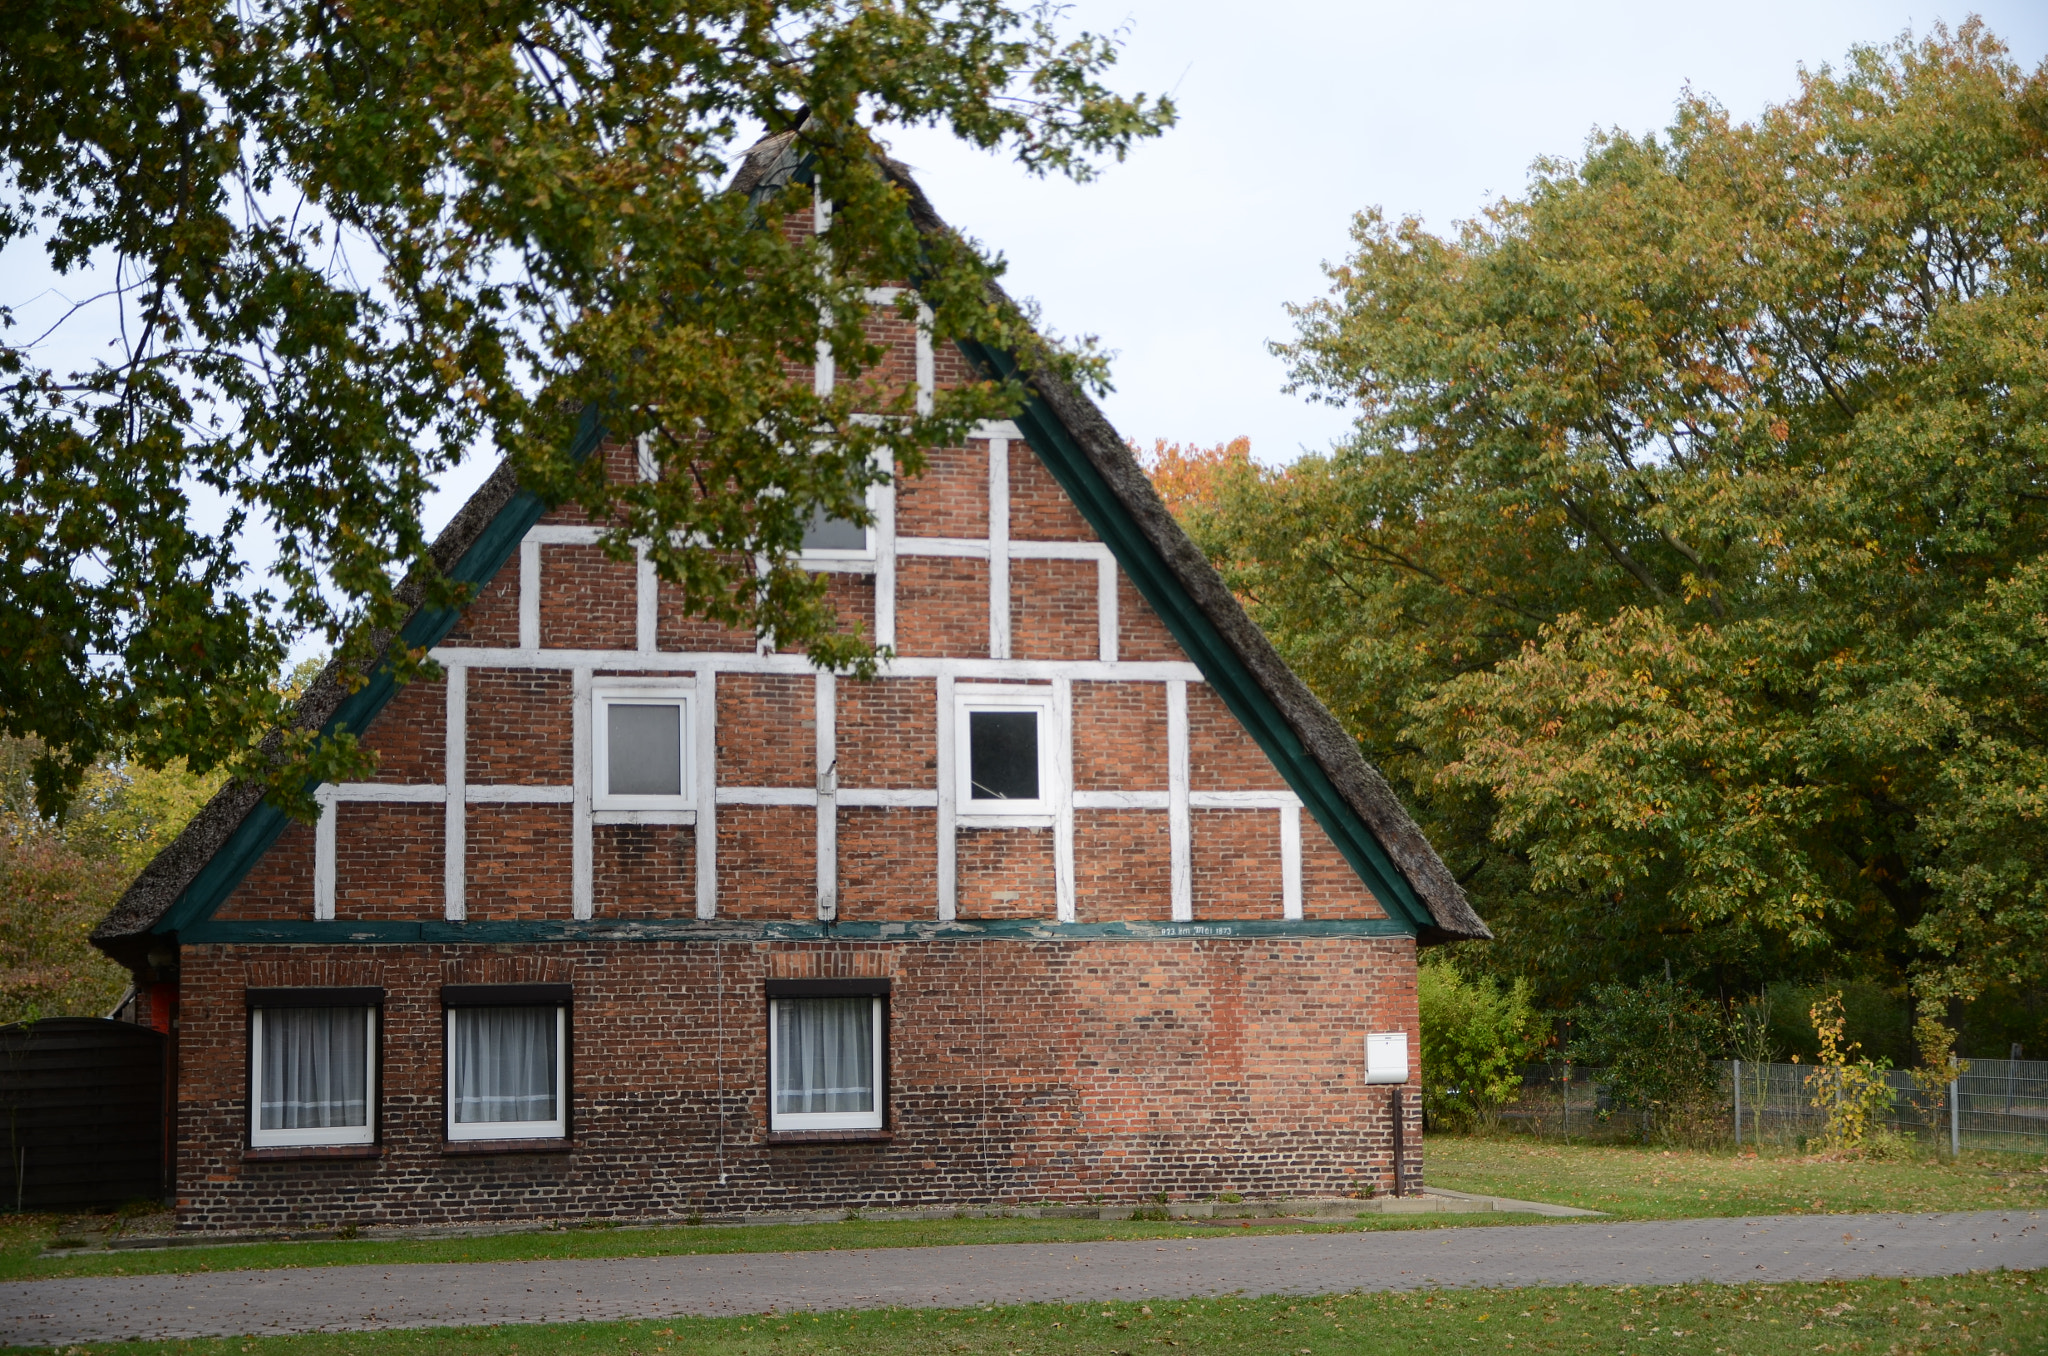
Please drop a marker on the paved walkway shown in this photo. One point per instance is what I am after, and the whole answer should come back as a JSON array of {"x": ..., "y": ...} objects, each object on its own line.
[{"x": 1781, "y": 1248}]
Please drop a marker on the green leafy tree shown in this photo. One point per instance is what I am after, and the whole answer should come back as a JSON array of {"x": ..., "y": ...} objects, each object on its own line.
[
  {"x": 58, "y": 877},
  {"x": 1658, "y": 1042},
  {"x": 1476, "y": 1036},
  {"x": 354, "y": 243},
  {"x": 1686, "y": 567}
]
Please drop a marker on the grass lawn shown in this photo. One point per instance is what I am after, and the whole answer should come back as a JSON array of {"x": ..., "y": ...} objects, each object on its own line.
[
  {"x": 1641, "y": 1183},
  {"x": 1996, "y": 1314}
]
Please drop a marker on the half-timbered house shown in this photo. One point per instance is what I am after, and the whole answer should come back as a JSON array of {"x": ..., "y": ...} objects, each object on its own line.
[{"x": 1086, "y": 898}]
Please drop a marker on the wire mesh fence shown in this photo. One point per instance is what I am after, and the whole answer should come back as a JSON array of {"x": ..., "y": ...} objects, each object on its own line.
[{"x": 1999, "y": 1104}]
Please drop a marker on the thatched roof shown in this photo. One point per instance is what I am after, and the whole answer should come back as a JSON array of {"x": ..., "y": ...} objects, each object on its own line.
[{"x": 1244, "y": 651}]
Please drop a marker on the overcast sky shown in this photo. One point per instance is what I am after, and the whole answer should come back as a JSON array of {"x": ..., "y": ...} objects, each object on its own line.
[
  {"x": 1294, "y": 115},
  {"x": 1297, "y": 113}
]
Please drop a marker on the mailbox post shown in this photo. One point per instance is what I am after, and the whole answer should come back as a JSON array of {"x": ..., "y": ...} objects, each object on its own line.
[{"x": 1386, "y": 1063}]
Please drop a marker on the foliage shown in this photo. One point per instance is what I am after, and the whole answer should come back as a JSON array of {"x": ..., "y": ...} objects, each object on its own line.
[
  {"x": 1851, "y": 1093},
  {"x": 1877, "y": 1018},
  {"x": 1476, "y": 1035},
  {"x": 1658, "y": 1042},
  {"x": 58, "y": 878},
  {"x": 1687, "y": 570},
  {"x": 1189, "y": 477},
  {"x": 1939, "y": 1067},
  {"x": 352, "y": 244}
]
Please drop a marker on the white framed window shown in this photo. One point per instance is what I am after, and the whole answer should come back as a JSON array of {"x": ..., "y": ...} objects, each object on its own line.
[
  {"x": 832, "y": 538},
  {"x": 1003, "y": 744},
  {"x": 827, "y": 539},
  {"x": 312, "y": 1069},
  {"x": 642, "y": 746},
  {"x": 508, "y": 1064},
  {"x": 825, "y": 1062}
]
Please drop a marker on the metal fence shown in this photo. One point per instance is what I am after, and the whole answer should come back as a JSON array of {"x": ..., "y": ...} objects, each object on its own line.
[{"x": 2000, "y": 1104}]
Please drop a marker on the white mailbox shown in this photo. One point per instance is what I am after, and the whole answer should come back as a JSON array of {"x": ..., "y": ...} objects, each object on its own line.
[{"x": 1386, "y": 1057}]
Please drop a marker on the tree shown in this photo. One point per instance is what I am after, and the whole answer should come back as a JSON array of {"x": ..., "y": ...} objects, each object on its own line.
[
  {"x": 1686, "y": 566},
  {"x": 1476, "y": 1035},
  {"x": 59, "y": 877},
  {"x": 1657, "y": 1044},
  {"x": 353, "y": 243}
]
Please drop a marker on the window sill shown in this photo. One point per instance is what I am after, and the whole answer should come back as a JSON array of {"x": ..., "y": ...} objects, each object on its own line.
[
  {"x": 472, "y": 1147},
  {"x": 287, "y": 1153},
  {"x": 830, "y": 1136},
  {"x": 685, "y": 818},
  {"x": 983, "y": 820}
]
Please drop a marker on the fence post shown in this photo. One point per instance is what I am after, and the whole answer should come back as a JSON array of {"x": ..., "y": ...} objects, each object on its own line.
[
  {"x": 1955, "y": 1119},
  {"x": 1738, "y": 1103}
]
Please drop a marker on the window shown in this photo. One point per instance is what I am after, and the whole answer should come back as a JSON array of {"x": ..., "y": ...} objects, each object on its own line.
[
  {"x": 508, "y": 1060},
  {"x": 312, "y": 1066},
  {"x": 1004, "y": 744},
  {"x": 642, "y": 746},
  {"x": 826, "y": 535},
  {"x": 825, "y": 1054}
]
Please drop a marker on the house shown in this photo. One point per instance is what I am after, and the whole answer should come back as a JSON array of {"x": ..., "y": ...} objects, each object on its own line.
[{"x": 1086, "y": 898}]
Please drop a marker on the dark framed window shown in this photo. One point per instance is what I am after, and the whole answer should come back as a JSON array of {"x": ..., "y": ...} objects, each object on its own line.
[
  {"x": 507, "y": 1060},
  {"x": 1004, "y": 741},
  {"x": 827, "y": 1054},
  {"x": 313, "y": 1066}
]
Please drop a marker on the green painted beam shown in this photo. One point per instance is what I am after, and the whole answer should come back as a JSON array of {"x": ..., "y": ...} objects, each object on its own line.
[{"x": 291, "y": 932}]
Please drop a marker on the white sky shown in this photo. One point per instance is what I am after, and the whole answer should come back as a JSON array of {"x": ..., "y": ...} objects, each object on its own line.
[{"x": 1297, "y": 113}]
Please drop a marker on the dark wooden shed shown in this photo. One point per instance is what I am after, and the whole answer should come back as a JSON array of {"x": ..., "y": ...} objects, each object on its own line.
[{"x": 81, "y": 1114}]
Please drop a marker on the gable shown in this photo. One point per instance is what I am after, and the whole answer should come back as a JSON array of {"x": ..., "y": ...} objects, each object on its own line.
[{"x": 1076, "y": 493}]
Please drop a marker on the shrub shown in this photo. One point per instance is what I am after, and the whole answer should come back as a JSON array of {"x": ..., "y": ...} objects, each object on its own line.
[
  {"x": 1475, "y": 1039},
  {"x": 1658, "y": 1041},
  {"x": 1851, "y": 1093}
]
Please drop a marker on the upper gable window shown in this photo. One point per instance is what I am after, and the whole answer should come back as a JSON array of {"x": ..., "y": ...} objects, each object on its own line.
[
  {"x": 642, "y": 746},
  {"x": 1003, "y": 739},
  {"x": 829, "y": 536}
]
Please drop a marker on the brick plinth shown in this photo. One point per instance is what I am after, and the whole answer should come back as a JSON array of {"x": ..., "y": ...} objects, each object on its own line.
[{"x": 1020, "y": 1072}]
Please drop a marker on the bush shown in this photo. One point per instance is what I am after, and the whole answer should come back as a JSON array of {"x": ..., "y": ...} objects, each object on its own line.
[
  {"x": 1475, "y": 1039},
  {"x": 1658, "y": 1041}
]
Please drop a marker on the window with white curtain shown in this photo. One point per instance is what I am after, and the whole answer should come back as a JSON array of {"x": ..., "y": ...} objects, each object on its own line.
[
  {"x": 825, "y": 1062},
  {"x": 312, "y": 1069},
  {"x": 508, "y": 1063}
]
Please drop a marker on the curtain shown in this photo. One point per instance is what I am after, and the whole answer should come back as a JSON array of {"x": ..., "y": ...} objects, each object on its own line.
[
  {"x": 504, "y": 1064},
  {"x": 826, "y": 1055},
  {"x": 644, "y": 749},
  {"x": 315, "y": 1068}
]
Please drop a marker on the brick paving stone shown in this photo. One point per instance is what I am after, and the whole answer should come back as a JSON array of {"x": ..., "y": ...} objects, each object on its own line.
[{"x": 369, "y": 1298}]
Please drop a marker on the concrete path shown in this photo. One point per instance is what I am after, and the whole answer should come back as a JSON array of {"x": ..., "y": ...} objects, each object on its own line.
[{"x": 1781, "y": 1248}]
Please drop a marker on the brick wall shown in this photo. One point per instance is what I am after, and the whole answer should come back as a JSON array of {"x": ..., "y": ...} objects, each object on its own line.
[
  {"x": 1023, "y": 1071},
  {"x": 1020, "y": 1073}
]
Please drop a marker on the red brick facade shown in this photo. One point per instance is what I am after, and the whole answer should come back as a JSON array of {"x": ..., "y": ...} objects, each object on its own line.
[
  {"x": 1020, "y": 1073},
  {"x": 1111, "y": 1031}
]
